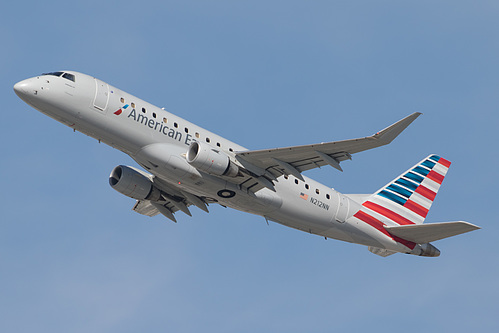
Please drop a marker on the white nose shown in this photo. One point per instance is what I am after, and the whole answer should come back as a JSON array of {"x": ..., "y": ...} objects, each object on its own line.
[
  {"x": 25, "y": 88},
  {"x": 20, "y": 87}
]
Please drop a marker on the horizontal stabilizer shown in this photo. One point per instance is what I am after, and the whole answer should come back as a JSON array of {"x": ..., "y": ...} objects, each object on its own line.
[{"x": 425, "y": 233}]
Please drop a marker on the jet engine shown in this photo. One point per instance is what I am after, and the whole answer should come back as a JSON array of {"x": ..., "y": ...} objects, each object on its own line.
[
  {"x": 205, "y": 158},
  {"x": 133, "y": 183}
]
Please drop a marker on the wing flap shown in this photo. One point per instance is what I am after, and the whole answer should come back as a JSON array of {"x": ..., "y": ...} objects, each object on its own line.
[
  {"x": 145, "y": 207},
  {"x": 148, "y": 208},
  {"x": 425, "y": 233},
  {"x": 308, "y": 157}
]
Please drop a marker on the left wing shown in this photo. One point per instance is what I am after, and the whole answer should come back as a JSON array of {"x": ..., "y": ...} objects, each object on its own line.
[
  {"x": 172, "y": 200},
  {"x": 151, "y": 208},
  {"x": 145, "y": 207},
  {"x": 294, "y": 160}
]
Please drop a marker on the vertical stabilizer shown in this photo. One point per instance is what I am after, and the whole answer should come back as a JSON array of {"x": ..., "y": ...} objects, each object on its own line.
[{"x": 408, "y": 198}]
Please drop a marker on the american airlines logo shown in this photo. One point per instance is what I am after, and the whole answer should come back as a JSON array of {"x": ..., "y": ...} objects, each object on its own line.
[
  {"x": 121, "y": 110},
  {"x": 156, "y": 125}
]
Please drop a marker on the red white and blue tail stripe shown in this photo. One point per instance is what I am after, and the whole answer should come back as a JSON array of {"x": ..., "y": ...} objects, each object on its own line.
[
  {"x": 399, "y": 209},
  {"x": 408, "y": 198}
]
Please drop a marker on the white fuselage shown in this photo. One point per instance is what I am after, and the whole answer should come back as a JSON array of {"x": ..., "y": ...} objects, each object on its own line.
[{"x": 158, "y": 141}]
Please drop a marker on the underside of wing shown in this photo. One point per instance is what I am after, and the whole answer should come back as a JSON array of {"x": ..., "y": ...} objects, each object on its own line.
[
  {"x": 151, "y": 208},
  {"x": 171, "y": 200},
  {"x": 145, "y": 207},
  {"x": 294, "y": 160}
]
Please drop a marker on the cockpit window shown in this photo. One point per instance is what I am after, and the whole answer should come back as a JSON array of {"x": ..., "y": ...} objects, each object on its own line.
[
  {"x": 54, "y": 73},
  {"x": 68, "y": 76}
]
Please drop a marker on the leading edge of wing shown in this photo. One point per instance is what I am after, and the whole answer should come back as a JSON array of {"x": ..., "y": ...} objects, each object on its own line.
[{"x": 307, "y": 157}]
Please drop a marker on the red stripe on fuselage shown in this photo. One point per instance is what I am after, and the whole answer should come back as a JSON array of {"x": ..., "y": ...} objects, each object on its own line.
[
  {"x": 377, "y": 224},
  {"x": 416, "y": 208},
  {"x": 426, "y": 192},
  {"x": 387, "y": 213}
]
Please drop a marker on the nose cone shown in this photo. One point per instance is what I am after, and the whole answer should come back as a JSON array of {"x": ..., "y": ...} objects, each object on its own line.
[{"x": 24, "y": 88}]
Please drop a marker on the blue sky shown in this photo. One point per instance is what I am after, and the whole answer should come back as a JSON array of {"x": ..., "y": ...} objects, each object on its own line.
[{"x": 73, "y": 255}]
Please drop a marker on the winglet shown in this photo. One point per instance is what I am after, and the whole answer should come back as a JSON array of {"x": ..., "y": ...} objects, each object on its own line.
[{"x": 391, "y": 132}]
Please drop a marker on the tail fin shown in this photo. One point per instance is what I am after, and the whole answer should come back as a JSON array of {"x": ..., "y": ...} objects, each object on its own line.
[{"x": 408, "y": 198}]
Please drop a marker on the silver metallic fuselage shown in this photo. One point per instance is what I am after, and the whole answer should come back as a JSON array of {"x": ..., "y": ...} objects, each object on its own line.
[{"x": 158, "y": 141}]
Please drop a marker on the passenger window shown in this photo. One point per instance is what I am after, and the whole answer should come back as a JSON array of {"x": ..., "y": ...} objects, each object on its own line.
[
  {"x": 208, "y": 140},
  {"x": 306, "y": 186},
  {"x": 143, "y": 110},
  {"x": 317, "y": 190},
  {"x": 175, "y": 125},
  {"x": 197, "y": 135},
  {"x": 154, "y": 115},
  {"x": 286, "y": 177},
  {"x": 186, "y": 130},
  {"x": 133, "y": 105},
  {"x": 165, "y": 120},
  {"x": 296, "y": 181},
  {"x": 327, "y": 196},
  {"x": 231, "y": 150},
  {"x": 122, "y": 100},
  {"x": 218, "y": 144}
]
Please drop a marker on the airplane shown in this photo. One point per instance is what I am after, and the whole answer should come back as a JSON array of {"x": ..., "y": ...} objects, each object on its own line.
[{"x": 190, "y": 166}]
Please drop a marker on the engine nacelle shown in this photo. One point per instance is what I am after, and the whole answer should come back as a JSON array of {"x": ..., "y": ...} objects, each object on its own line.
[
  {"x": 205, "y": 158},
  {"x": 133, "y": 183}
]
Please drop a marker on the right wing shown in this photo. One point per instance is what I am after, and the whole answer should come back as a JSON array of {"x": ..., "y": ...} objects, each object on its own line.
[{"x": 294, "y": 160}]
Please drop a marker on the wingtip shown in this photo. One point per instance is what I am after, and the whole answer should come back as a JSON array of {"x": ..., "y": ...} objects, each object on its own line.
[
  {"x": 412, "y": 116},
  {"x": 391, "y": 132},
  {"x": 471, "y": 225}
]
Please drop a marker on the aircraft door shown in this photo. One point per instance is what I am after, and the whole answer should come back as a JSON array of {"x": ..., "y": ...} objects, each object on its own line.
[
  {"x": 101, "y": 95},
  {"x": 342, "y": 213}
]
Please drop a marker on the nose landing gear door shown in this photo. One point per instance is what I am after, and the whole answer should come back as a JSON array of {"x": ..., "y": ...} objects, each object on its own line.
[{"x": 101, "y": 95}]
